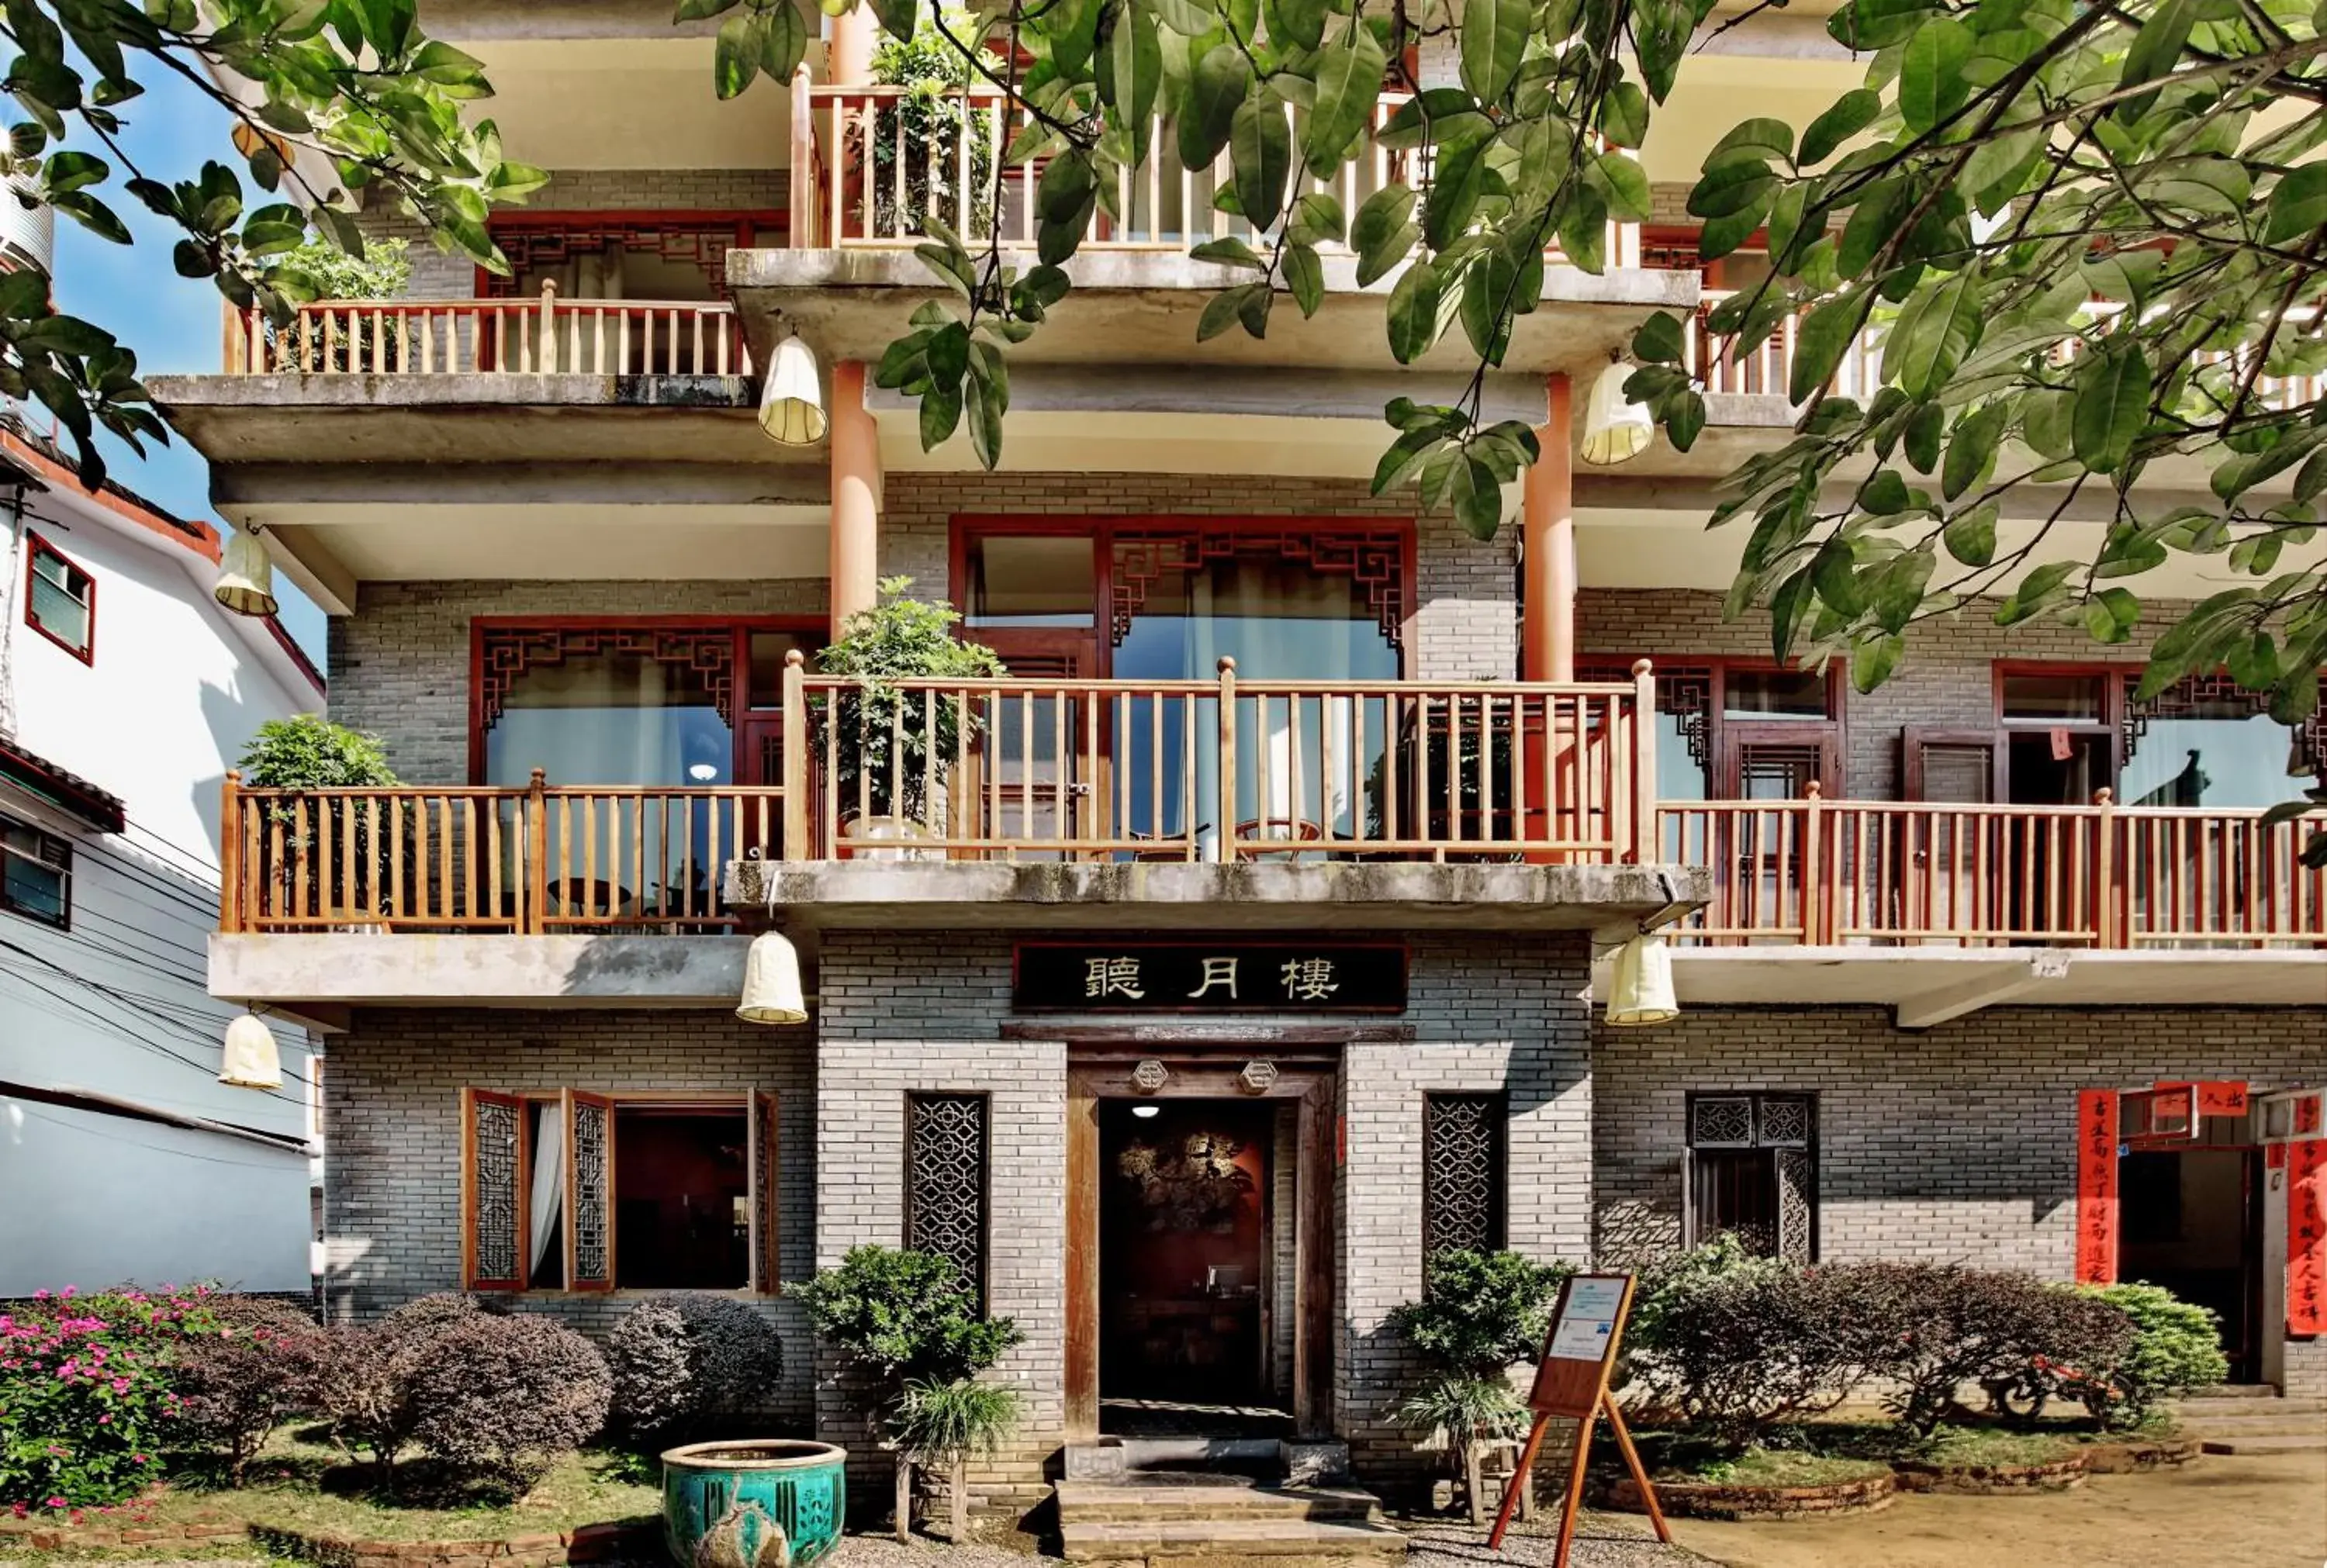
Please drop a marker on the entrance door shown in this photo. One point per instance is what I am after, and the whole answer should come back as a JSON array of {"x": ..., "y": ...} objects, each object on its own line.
[
  {"x": 1187, "y": 1257},
  {"x": 2192, "y": 1222}
]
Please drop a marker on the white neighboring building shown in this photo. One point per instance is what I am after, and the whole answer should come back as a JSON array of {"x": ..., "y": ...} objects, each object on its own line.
[{"x": 126, "y": 693}]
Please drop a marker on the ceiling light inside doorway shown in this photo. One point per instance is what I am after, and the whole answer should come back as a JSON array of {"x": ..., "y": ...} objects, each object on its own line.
[{"x": 1144, "y": 1111}]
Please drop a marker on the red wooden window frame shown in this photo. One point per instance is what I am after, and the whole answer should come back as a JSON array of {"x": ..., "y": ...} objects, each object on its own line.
[
  {"x": 1723, "y": 736},
  {"x": 38, "y": 546},
  {"x": 1102, "y": 527},
  {"x": 742, "y": 730}
]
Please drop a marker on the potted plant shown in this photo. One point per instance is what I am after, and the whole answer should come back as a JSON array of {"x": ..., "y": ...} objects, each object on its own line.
[
  {"x": 1480, "y": 1312},
  {"x": 915, "y": 1340},
  {"x": 890, "y": 742},
  {"x": 319, "y": 270},
  {"x": 926, "y": 126},
  {"x": 308, "y": 751}
]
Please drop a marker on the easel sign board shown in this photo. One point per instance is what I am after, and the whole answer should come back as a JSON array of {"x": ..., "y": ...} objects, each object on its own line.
[
  {"x": 1571, "y": 1383},
  {"x": 1580, "y": 1349}
]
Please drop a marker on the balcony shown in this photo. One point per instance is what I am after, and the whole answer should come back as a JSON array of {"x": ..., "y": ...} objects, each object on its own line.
[{"x": 540, "y": 336}]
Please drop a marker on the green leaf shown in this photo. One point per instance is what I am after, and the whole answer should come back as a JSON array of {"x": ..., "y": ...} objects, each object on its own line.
[
  {"x": 1971, "y": 451},
  {"x": 1477, "y": 498},
  {"x": 1925, "y": 428},
  {"x": 1348, "y": 84},
  {"x": 1219, "y": 85},
  {"x": 1305, "y": 275},
  {"x": 1381, "y": 233},
  {"x": 1189, "y": 18},
  {"x": 1932, "y": 84},
  {"x": 1826, "y": 335},
  {"x": 2112, "y": 404},
  {"x": 1317, "y": 219},
  {"x": 735, "y": 57},
  {"x": 1260, "y": 152},
  {"x": 1851, "y": 113},
  {"x": 1300, "y": 23},
  {"x": 1938, "y": 328},
  {"x": 1624, "y": 115},
  {"x": 2156, "y": 50},
  {"x": 1494, "y": 40},
  {"x": 2298, "y": 204},
  {"x": 1622, "y": 182},
  {"x": 1229, "y": 251},
  {"x": 1659, "y": 340},
  {"x": 1873, "y": 658},
  {"x": 940, "y": 413},
  {"x": 1414, "y": 311},
  {"x": 1756, "y": 142},
  {"x": 1970, "y": 537},
  {"x": 2111, "y": 615},
  {"x": 898, "y": 18}
]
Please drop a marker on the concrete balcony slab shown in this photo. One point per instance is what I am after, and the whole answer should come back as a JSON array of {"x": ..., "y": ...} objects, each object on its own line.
[
  {"x": 1261, "y": 896},
  {"x": 336, "y": 969}
]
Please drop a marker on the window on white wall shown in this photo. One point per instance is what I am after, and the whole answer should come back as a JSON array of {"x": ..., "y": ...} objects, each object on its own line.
[
  {"x": 60, "y": 601},
  {"x": 35, "y": 873}
]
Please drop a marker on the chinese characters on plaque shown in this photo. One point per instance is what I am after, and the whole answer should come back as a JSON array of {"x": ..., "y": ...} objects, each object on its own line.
[{"x": 1141, "y": 975}]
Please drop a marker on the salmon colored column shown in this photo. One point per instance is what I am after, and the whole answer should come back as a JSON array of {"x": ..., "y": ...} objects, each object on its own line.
[
  {"x": 849, "y": 58},
  {"x": 1547, "y": 549},
  {"x": 855, "y": 496}
]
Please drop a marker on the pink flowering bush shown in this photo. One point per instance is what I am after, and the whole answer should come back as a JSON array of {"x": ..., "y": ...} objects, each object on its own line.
[{"x": 90, "y": 1402}]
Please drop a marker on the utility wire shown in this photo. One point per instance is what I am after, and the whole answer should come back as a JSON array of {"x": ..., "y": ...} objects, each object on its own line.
[
  {"x": 124, "y": 1000},
  {"x": 156, "y": 1148}
]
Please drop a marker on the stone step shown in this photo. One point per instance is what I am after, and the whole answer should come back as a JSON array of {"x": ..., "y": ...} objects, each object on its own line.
[
  {"x": 2233, "y": 1391},
  {"x": 2195, "y": 1410},
  {"x": 1188, "y": 1542},
  {"x": 1132, "y": 1501},
  {"x": 2255, "y": 1426},
  {"x": 2314, "y": 1442}
]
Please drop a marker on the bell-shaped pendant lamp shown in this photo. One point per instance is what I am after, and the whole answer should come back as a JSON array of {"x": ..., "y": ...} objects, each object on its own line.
[
  {"x": 791, "y": 404},
  {"x": 246, "y": 583},
  {"x": 1640, "y": 990},
  {"x": 251, "y": 1060},
  {"x": 772, "y": 982},
  {"x": 1615, "y": 428}
]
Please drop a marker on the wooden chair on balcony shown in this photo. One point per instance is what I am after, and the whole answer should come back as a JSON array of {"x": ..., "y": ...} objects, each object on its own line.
[{"x": 1258, "y": 837}]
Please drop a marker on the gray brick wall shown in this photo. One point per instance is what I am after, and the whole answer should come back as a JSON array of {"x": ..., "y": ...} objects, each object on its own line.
[
  {"x": 437, "y": 276},
  {"x": 1950, "y": 1145},
  {"x": 392, "y": 1186},
  {"x": 1946, "y": 678}
]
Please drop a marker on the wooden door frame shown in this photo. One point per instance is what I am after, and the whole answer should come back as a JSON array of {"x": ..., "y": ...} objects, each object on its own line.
[{"x": 1312, "y": 1083}]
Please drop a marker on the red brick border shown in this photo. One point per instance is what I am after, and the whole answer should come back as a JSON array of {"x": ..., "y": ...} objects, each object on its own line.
[
  {"x": 1727, "y": 1500},
  {"x": 544, "y": 1549},
  {"x": 2057, "y": 1475}
]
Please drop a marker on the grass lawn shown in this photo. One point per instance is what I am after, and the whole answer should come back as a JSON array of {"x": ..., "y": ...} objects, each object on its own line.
[
  {"x": 308, "y": 1486},
  {"x": 1825, "y": 1453}
]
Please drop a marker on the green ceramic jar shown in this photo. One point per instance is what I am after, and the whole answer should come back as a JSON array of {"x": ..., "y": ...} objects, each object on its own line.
[{"x": 760, "y": 1503}]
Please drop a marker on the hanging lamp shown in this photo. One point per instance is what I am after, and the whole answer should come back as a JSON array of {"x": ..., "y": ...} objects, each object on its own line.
[
  {"x": 246, "y": 581},
  {"x": 791, "y": 404},
  {"x": 1615, "y": 428},
  {"x": 1641, "y": 990},
  {"x": 772, "y": 982},
  {"x": 251, "y": 1060}
]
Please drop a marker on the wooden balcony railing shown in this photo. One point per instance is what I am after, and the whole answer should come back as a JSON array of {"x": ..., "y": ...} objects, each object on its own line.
[
  {"x": 860, "y": 179},
  {"x": 540, "y": 859},
  {"x": 1847, "y": 872},
  {"x": 1221, "y": 771},
  {"x": 536, "y": 336}
]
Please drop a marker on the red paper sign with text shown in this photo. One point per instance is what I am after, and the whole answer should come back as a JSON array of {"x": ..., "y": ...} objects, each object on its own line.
[
  {"x": 2097, "y": 1187},
  {"x": 2223, "y": 1099},
  {"x": 2306, "y": 1237}
]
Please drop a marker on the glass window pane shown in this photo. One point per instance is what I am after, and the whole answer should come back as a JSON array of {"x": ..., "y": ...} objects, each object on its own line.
[
  {"x": 60, "y": 599},
  {"x": 1679, "y": 776},
  {"x": 33, "y": 873},
  {"x": 2217, "y": 756},
  {"x": 682, "y": 1190},
  {"x": 1032, "y": 580},
  {"x": 610, "y": 719},
  {"x": 767, "y": 649},
  {"x": 1774, "y": 693},
  {"x": 2053, "y": 699}
]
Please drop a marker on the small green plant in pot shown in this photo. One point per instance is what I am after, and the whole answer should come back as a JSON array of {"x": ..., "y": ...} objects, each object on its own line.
[
  {"x": 308, "y": 751},
  {"x": 896, "y": 746},
  {"x": 915, "y": 1339},
  {"x": 946, "y": 144},
  {"x": 1480, "y": 1312}
]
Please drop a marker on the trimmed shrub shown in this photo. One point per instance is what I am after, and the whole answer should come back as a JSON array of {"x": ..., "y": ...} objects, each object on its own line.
[
  {"x": 1948, "y": 1327},
  {"x": 236, "y": 1386},
  {"x": 1479, "y": 1311},
  {"x": 363, "y": 1376},
  {"x": 905, "y": 1316},
  {"x": 504, "y": 1395},
  {"x": 681, "y": 1362},
  {"x": 2175, "y": 1347}
]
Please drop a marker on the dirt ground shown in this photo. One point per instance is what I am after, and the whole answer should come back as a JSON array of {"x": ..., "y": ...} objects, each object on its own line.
[{"x": 2260, "y": 1512}]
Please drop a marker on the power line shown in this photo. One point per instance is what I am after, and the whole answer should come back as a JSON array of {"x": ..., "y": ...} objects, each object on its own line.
[
  {"x": 81, "y": 1012},
  {"x": 156, "y": 1148},
  {"x": 127, "y": 1002}
]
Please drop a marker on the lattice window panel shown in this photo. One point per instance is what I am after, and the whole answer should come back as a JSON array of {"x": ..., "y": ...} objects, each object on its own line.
[
  {"x": 2196, "y": 693},
  {"x": 498, "y": 1174},
  {"x": 945, "y": 1181},
  {"x": 1797, "y": 1212},
  {"x": 1462, "y": 1172},
  {"x": 592, "y": 1129},
  {"x": 1721, "y": 1122},
  {"x": 1782, "y": 1121},
  {"x": 1375, "y": 559},
  {"x": 506, "y": 652}
]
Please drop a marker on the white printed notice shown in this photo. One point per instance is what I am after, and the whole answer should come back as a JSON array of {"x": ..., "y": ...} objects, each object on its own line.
[{"x": 1588, "y": 1320}]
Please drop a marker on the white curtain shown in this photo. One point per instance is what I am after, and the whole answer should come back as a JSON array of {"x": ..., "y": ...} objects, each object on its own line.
[{"x": 548, "y": 1195}]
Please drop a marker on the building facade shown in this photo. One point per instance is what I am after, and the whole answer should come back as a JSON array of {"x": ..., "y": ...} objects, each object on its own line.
[
  {"x": 1190, "y": 984},
  {"x": 126, "y": 694}
]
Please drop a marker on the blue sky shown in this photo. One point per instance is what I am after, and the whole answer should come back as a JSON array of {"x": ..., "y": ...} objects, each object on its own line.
[{"x": 173, "y": 322}]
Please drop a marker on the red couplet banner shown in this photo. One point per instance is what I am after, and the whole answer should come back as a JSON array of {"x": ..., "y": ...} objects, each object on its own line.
[
  {"x": 2306, "y": 1236},
  {"x": 2097, "y": 1187}
]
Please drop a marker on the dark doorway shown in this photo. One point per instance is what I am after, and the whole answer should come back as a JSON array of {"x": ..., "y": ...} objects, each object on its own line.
[
  {"x": 2192, "y": 1222},
  {"x": 1185, "y": 1266}
]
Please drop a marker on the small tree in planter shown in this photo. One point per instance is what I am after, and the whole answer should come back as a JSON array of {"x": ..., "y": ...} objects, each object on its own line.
[
  {"x": 926, "y": 127},
  {"x": 891, "y": 741},
  {"x": 1480, "y": 1313},
  {"x": 909, "y": 1324},
  {"x": 309, "y": 752}
]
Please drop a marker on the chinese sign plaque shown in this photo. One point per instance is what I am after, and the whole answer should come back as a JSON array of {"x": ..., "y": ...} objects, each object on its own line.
[{"x": 1141, "y": 975}]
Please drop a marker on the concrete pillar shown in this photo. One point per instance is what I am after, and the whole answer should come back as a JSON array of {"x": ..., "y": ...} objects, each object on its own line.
[
  {"x": 849, "y": 58},
  {"x": 1547, "y": 546},
  {"x": 855, "y": 496}
]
